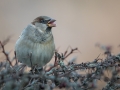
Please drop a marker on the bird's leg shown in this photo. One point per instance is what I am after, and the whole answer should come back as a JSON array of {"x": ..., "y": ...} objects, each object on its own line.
[
  {"x": 38, "y": 69},
  {"x": 30, "y": 56}
]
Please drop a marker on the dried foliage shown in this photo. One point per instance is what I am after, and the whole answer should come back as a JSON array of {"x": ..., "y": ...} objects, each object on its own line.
[{"x": 60, "y": 75}]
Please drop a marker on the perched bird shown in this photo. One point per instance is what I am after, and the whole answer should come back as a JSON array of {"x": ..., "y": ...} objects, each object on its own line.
[{"x": 36, "y": 42}]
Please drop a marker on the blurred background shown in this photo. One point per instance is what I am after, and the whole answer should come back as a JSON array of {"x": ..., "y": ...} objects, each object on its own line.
[{"x": 80, "y": 23}]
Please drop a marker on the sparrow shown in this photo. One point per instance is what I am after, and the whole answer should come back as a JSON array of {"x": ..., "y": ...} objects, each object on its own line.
[{"x": 36, "y": 42}]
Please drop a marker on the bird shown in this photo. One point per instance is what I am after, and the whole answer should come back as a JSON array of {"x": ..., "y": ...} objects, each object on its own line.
[{"x": 36, "y": 45}]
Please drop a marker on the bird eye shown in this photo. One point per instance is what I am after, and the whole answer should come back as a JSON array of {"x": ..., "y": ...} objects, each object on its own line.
[
  {"x": 41, "y": 21},
  {"x": 49, "y": 19}
]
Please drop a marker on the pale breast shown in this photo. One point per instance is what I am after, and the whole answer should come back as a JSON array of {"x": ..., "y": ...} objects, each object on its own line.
[{"x": 41, "y": 52}]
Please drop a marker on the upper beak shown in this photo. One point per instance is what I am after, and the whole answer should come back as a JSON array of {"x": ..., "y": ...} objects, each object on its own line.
[{"x": 51, "y": 23}]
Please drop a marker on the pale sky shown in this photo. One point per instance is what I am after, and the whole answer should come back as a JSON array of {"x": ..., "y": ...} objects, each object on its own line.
[{"x": 80, "y": 23}]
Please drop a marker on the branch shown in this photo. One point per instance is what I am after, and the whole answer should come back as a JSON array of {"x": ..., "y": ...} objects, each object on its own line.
[{"x": 5, "y": 53}]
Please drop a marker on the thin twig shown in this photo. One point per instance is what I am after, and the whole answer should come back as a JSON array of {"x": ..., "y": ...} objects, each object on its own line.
[
  {"x": 55, "y": 58},
  {"x": 6, "y": 54},
  {"x": 15, "y": 58},
  {"x": 30, "y": 56},
  {"x": 72, "y": 50}
]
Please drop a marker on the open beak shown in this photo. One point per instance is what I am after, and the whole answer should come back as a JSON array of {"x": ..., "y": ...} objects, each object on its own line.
[{"x": 51, "y": 23}]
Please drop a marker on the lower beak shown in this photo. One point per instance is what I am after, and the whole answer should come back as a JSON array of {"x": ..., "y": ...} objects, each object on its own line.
[{"x": 51, "y": 23}]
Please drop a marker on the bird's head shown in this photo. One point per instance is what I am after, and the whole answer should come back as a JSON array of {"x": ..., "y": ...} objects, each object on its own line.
[{"x": 44, "y": 22}]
